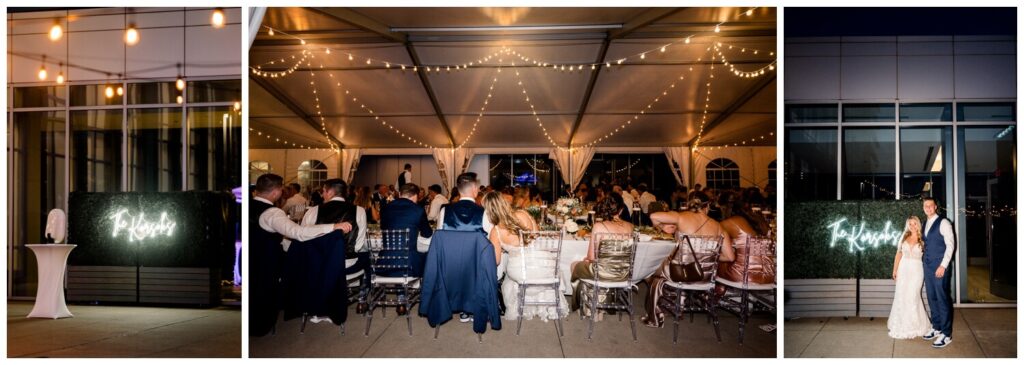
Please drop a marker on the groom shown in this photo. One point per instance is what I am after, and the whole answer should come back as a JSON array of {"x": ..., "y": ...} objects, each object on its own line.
[{"x": 938, "y": 250}]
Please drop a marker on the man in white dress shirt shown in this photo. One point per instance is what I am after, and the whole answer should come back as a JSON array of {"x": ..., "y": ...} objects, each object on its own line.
[
  {"x": 296, "y": 204},
  {"x": 405, "y": 177},
  {"x": 268, "y": 226},
  {"x": 938, "y": 252},
  {"x": 646, "y": 198},
  {"x": 356, "y": 255}
]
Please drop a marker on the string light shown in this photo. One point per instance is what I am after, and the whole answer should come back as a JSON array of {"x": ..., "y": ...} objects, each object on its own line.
[
  {"x": 120, "y": 91},
  {"x": 742, "y": 73},
  {"x": 42, "y": 71},
  {"x": 179, "y": 83},
  {"x": 109, "y": 92},
  {"x": 131, "y": 35},
  {"x": 707, "y": 103},
  {"x": 269, "y": 137},
  {"x": 180, "y": 99},
  {"x": 480, "y": 115},
  {"x": 533, "y": 111},
  {"x": 56, "y": 31},
  {"x": 258, "y": 69},
  {"x": 642, "y": 55},
  {"x": 742, "y": 143},
  {"x": 237, "y": 106},
  {"x": 60, "y": 74},
  {"x": 217, "y": 18}
]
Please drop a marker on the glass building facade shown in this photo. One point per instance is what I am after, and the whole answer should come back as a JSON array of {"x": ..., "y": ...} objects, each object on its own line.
[
  {"x": 889, "y": 118},
  {"x": 147, "y": 136}
]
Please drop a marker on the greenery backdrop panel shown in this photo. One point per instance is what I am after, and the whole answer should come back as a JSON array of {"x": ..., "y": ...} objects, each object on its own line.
[{"x": 809, "y": 251}]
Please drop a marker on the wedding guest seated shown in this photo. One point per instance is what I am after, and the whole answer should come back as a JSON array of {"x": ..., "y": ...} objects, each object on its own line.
[
  {"x": 694, "y": 221},
  {"x": 437, "y": 200},
  {"x": 404, "y": 213},
  {"x": 508, "y": 223},
  {"x": 363, "y": 199},
  {"x": 337, "y": 209},
  {"x": 268, "y": 228},
  {"x": 741, "y": 223},
  {"x": 607, "y": 211},
  {"x": 465, "y": 214},
  {"x": 679, "y": 198}
]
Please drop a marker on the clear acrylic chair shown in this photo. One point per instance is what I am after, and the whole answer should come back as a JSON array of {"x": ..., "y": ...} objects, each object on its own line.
[
  {"x": 390, "y": 253},
  {"x": 615, "y": 254},
  {"x": 699, "y": 296},
  {"x": 538, "y": 268},
  {"x": 742, "y": 298}
]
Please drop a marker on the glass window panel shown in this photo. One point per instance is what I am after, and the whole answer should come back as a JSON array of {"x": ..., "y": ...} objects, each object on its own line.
[
  {"x": 312, "y": 173},
  {"x": 925, "y": 163},
  {"x": 986, "y": 112},
  {"x": 215, "y": 148},
  {"x": 96, "y": 95},
  {"x": 812, "y": 113},
  {"x": 722, "y": 173},
  {"x": 36, "y": 159},
  {"x": 153, "y": 93},
  {"x": 96, "y": 159},
  {"x": 863, "y": 113},
  {"x": 988, "y": 242},
  {"x": 869, "y": 163},
  {"x": 811, "y": 164},
  {"x": 500, "y": 170},
  {"x": 937, "y": 112},
  {"x": 212, "y": 91},
  {"x": 257, "y": 168},
  {"x": 39, "y": 97},
  {"x": 154, "y": 151}
]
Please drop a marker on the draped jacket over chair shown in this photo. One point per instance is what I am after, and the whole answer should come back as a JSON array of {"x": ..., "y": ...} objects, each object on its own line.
[
  {"x": 461, "y": 276},
  {"x": 315, "y": 278}
]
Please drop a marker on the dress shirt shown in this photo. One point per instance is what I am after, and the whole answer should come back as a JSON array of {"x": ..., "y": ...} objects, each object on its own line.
[
  {"x": 408, "y": 179},
  {"x": 946, "y": 230},
  {"x": 311, "y": 215},
  {"x": 627, "y": 199},
  {"x": 434, "y": 212},
  {"x": 294, "y": 201},
  {"x": 645, "y": 200},
  {"x": 276, "y": 221}
]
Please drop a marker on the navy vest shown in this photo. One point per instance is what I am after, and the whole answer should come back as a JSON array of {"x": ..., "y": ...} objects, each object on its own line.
[
  {"x": 334, "y": 211},
  {"x": 934, "y": 244},
  {"x": 464, "y": 215}
]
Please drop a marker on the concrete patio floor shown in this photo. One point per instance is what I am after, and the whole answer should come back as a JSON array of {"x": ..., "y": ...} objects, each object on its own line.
[
  {"x": 389, "y": 338},
  {"x": 976, "y": 333},
  {"x": 105, "y": 331}
]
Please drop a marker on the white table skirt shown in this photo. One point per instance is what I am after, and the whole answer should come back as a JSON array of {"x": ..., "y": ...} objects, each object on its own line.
[
  {"x": 52, "y": 260},
  {"x": 649, "y": 256}
]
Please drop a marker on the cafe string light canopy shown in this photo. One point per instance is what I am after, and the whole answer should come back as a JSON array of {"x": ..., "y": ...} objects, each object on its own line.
[{"x": 483, "y": 108}]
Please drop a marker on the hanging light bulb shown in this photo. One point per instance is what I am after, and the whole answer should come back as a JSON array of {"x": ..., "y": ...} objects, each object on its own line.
[
  {"x": 237, "y": 106},
  {"x": 663, "y": 48},
  {"x": 750, "y": 12},
  {"x": 120, "y": 91},
  {"x": 180, "y": 83},
  {"x": 270, "y": 32},
  {"x": 60, "y": 74},
  {"x": 687, "y": 40},
  {"x": 56, "y": 31},
  {"x": 131, "y": 35},
  {"x": 180, "y": 99},
  {"x": 42, "y": 72},
  {"x": 717, "y": 28},
  {"x": 109, "y": 92},
  {"x": 217, "y": 19}
]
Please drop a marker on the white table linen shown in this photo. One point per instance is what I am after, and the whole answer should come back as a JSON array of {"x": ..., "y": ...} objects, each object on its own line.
[{"x": 52, "y": 260}]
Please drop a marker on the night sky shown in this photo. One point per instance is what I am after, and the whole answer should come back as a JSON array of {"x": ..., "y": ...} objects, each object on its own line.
[{"x": 815, "y": 22}]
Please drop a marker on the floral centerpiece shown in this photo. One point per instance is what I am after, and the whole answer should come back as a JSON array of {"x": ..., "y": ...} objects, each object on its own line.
[
  {"x": 568, "y": 209},
  {"x": 535, "y": 212}
]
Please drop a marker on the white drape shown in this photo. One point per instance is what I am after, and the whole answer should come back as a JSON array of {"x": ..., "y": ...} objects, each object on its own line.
[
  {"x": 350, "y": 163},
  {"x": 450, "y": 163},
  {"x": 679, "y": 162},
  {"x": 255, "y": 22},
  {"x": 572, "y": 163}
]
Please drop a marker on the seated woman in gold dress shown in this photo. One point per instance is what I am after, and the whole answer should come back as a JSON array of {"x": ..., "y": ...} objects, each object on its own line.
[
  {"x": 612, "y": 267},
  {"x": 741, "y": 223}
]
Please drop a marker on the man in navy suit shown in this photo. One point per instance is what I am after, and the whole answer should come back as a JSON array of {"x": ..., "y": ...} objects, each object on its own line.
[
  {"x": 465, "y": 214},
  {"x": 405, "y": 213}
]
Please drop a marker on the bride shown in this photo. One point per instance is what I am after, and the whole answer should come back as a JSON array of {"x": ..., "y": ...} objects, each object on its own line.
[{"x": 907, "y": 319}]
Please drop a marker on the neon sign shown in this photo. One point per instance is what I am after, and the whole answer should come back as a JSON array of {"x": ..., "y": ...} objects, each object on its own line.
[
  {"x": 138, "y": 228},
  {"x": 860, "y": 238}
]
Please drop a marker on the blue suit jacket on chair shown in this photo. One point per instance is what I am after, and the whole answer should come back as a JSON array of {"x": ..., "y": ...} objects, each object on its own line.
[
  {"x": 401, "y": 214},
  {"x": 461, "y": 276}
]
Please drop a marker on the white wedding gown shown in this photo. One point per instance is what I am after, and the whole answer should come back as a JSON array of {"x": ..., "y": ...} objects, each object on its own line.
[
  {"x": 908, "y": 319},
  {"x": 529, "y": 265}
]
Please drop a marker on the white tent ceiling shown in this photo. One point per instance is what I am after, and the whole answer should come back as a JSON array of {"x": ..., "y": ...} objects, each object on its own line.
[{"x": 575, "y": 107}]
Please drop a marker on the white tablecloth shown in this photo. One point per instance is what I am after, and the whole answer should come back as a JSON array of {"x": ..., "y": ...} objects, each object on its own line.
[
  {"x": 649, "y": 256},
  {"x": 52, "y": 260}
]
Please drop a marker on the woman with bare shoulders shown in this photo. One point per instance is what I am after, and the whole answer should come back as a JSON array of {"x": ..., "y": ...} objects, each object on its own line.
[
  {"x": 742, "y": 223},
  {"x": 695, "y": 221},
  {"x": 607, "y": 211}
]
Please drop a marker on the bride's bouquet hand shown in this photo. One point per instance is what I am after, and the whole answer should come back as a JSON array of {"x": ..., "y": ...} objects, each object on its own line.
[{"x": 894, "y": 275}]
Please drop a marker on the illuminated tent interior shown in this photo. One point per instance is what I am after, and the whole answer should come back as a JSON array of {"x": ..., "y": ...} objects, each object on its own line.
[{"x": 699, "y": 83}]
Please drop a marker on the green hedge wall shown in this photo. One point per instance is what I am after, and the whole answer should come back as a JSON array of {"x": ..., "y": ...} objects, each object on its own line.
[{"x": 807, "y": 254}]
